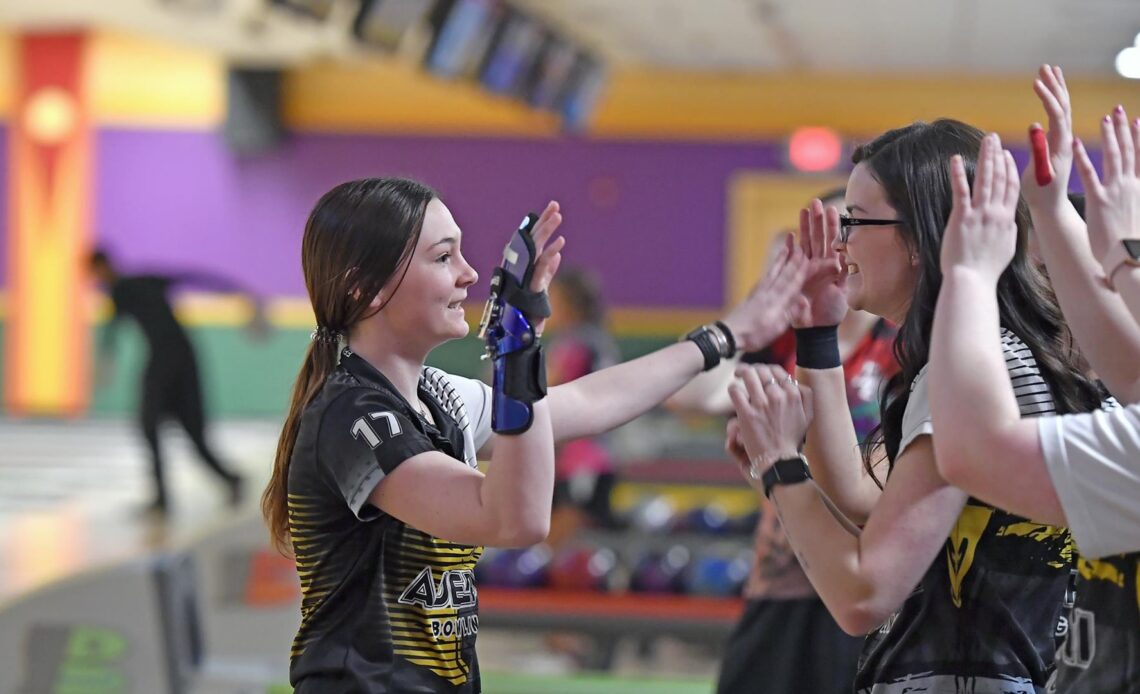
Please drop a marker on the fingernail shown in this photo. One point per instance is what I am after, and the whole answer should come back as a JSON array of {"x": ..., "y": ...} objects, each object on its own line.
[
  {"x": 1119, "y": 108},
  {"x": 1107, "y": 120}
]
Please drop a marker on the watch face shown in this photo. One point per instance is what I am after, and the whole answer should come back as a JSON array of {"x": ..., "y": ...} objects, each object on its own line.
[{"x": 1133, "y": 248}]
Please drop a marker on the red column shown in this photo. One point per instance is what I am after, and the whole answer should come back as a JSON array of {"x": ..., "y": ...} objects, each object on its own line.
[{"x": 46, "y": 354}]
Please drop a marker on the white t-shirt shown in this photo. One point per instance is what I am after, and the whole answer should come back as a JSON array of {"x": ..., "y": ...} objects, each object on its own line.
[
  {"x": 1094, "y": 461},
  {"x": 1033, "y": 397}
]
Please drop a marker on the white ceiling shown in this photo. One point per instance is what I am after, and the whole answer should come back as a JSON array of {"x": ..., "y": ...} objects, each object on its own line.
[{"x": 900, "y": 36}]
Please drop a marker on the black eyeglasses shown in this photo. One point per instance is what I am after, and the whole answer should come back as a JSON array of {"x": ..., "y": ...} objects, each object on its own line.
[{"x": 845, "y": 224}]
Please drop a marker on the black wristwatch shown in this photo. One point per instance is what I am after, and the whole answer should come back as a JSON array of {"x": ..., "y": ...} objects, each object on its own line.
[{"x": 786, "y": 471}]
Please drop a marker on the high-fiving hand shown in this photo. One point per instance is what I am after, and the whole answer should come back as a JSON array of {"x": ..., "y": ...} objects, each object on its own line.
[
  {"x": 1112, "y": 204},
  {"x": 1052, "y": 152},
  {"x": 773, "y": 412},
  {"x": 981, "y": 233},
  {"x": 549, "y": 253}
]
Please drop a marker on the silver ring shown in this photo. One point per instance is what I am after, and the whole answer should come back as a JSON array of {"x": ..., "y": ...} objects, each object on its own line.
[
  {"x": 792, "y": 380},
  {"x": 770, "y": 382}
]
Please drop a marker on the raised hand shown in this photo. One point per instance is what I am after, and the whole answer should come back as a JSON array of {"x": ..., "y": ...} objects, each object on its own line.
[
  {"x": 825, "y": 290},
  {"x": 549, "y": 253},
  {"x": 767, "y": 310},
  {"x": 734, "y": 445},
  {"x": 1045, "y": 181},
  {"x": 1112, "y": 205},
  {"x": 773, "y": 414},
  {"x": 981, "y": 233}
]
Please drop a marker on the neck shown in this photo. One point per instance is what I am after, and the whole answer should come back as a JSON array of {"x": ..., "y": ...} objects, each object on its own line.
[
  {"x": 853, "y": 328},
  {"x": 400, "y": 366}
]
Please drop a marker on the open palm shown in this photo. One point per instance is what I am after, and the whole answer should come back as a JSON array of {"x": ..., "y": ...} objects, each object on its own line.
[{"x": 825, "y": 289}]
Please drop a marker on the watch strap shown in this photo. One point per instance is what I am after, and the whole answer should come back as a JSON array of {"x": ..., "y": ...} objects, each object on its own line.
[{"x": 785, "y": 471}]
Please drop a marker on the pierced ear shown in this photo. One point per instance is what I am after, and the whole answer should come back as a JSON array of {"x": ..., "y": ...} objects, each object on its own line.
[{"x": 914, "y": 260}]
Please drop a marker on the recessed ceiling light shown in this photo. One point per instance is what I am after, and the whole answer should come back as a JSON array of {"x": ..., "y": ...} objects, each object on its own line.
[{"x": 1128, "y": 63}]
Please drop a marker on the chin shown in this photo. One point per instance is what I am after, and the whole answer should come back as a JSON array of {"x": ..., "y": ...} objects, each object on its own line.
[{"x": 460, "y": 330}]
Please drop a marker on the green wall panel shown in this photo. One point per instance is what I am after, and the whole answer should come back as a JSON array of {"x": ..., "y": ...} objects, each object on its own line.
[{"x": 247, "y": 377}]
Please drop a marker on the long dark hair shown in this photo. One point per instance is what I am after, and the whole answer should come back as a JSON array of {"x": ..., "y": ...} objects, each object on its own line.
[
  {"x": 912, "y": 166},
  {"x": 357, "y": 238}
]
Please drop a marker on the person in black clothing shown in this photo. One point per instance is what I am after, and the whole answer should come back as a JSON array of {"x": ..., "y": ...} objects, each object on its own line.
[
  {"x": 956, "y": 595},
  {"x": 170, "y": 383},
  {"x": 376, "y": 491}
]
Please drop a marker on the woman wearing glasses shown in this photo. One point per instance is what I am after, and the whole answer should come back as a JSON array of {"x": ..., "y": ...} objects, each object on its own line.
[{"x": 956, "y": 595}]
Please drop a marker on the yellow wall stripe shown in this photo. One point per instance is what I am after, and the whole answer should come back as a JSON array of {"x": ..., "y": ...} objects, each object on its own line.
[
  {"x": 7, "y": 72},
  {"x": 141, "y": 82},
  {"x": 147, "y": 83},
  {"x": 223, "y": 310}
]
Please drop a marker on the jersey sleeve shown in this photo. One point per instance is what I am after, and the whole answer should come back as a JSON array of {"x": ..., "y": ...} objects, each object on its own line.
[
  {"x": 362, "y": 439},
  {"x": 916, "y": 418},
  {"x": 476, "y": 396},
  {"x": 1093, "y": 459}
]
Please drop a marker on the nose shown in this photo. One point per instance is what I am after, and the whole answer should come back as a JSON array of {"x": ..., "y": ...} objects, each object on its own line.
[
  {"x": 469, "y": 276},
  {"x": 838, "y": 245}
]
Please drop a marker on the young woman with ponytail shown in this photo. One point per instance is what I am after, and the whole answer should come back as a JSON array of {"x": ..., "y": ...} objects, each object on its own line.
[{"x": 375, "y": 488}]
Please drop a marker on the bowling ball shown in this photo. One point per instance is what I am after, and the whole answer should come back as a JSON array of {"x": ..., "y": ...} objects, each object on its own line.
[
  {"x": 718, "y": 575},
  {"x": 744, "y": 524},
  {"x": 661, "y": 572},
  {"x": 711, "y": 519},
  {"x": 652, "y": 514},
  {"x": 514, "y": 568},
  {"x": 584, "y": 568}
]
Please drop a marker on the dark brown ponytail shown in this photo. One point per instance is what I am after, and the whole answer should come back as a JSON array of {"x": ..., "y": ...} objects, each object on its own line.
[
  {"x": 320, "y": 360},
  {"x": 357, "y": 236}
]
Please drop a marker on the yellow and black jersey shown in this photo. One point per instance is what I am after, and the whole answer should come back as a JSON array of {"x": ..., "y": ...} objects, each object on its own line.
[
  {"x": 1102, "y": 653},
  {"x": 385, "y": 607},
  {"x": 989, "y": 614}
]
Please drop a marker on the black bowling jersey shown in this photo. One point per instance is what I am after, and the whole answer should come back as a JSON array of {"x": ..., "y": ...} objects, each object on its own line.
[
  {"x": 385, "y": 607},
  {"x": 1102, "y": 653},
  {"x": 989, "y": 614}
]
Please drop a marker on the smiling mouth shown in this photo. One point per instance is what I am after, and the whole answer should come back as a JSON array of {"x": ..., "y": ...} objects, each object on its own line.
[{"x": 852, "y": 269}]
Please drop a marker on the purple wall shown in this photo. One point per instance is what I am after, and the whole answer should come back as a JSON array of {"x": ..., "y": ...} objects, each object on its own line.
[{"x": 649, "y": 217}]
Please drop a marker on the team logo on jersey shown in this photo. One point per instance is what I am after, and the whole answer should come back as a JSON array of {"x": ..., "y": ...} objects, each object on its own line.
[
  {"x": 962, "y": 545},
  {"x": 456, "y": 588}
]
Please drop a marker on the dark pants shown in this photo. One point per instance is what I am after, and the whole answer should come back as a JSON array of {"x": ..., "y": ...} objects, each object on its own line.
[
  {"x": 170, "y": 388},
  {"x": 788, "y": 647}
]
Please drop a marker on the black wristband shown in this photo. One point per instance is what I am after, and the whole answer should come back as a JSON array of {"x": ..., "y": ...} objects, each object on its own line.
[
  {"x": 704, "y": 340},
  {"x": 728, "y": 336},
  {"x": 818, "y": 348}
]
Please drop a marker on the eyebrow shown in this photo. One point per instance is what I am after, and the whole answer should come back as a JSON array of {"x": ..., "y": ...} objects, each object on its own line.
[{"x": 452, "y": 240}]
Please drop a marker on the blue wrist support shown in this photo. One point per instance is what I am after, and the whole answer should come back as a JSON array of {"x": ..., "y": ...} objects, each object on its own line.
[{"x": 511, "y": 343}]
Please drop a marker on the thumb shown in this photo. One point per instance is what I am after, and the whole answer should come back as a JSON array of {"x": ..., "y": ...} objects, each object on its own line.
[
  {"x": 1039, "y": 148},
  {"x": 799, "y": 312}
]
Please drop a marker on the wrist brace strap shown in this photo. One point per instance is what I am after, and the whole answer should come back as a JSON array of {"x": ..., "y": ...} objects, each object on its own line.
[{"x": 519, "y": 370}]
